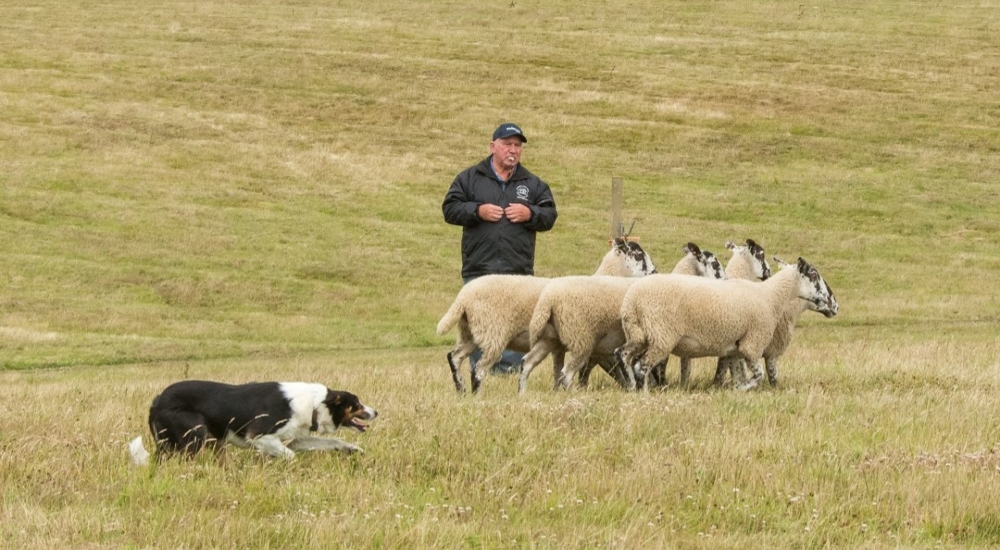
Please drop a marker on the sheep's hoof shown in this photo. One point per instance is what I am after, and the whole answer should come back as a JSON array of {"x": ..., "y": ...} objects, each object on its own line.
[
  {"x": 477, "y": 382},
  {"x": 658, "y": 375}
]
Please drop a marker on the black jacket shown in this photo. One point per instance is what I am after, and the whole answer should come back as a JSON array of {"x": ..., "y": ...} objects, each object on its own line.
[{"x": 500, "y": 247}]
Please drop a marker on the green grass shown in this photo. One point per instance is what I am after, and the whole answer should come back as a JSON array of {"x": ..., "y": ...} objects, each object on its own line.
[{"x": 245, "y": 190}]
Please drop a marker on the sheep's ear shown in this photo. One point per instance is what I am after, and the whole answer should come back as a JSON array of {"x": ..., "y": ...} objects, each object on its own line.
[
  {"x": 731, "y": 246},
  {"x": 636, "y": 252},
  {"x": 780, "y": 263},
  {"x": 757, "y": 251},
  {"x": 806, "y": 269},
  {"x": 809, "y": 270},
  {"x": 692, "y": 248}
]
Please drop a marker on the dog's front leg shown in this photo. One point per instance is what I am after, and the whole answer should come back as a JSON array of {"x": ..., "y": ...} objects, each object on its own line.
[
  {"x": 307, "y": 443},
  {"x": 234, "y": 439},
  {"x": 271, "y": 445}
]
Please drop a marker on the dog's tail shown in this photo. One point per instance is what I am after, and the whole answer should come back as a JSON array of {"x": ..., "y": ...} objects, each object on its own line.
[{"x": 140, "y": 457}]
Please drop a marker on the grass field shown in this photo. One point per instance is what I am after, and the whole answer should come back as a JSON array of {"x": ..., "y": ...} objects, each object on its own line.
[{"x": 250, "y": 190}]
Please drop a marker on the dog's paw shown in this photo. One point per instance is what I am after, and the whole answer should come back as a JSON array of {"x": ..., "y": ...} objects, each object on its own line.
[
  {"x": 140, "y": 456},
  {"x": 349, "y": 448}
]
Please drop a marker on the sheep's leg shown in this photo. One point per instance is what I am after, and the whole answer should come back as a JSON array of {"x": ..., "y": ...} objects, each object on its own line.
[
  {"x": 737, "y": 371},
  {"x": 737, "y": 367},
  {"x": 721, "y": 368},
  {"x": 455, "y": 358},
  {"x": 685, "y": 373},
  {"x": 583, "y": 378},
  {"x": 483, "y": 366},
  {"x": 639, "y": 374},
  {"x": 658, "y": 351},
  {"x": 607, "y": 364},
  {"x": 573, "y": 366},
  {"x": 629, "y": 369},
  {"x": 536, "y": 355},
  {"x": 772, "y": 370},
  {"x": 658, "y": 375},
  {"x": 456, "y": 376},
  {"x": 756, "y": 374},
  {"x": 615, "y": 369},
  {"x": 558, "y": 363},
  {"x": 626, "y": 355}
]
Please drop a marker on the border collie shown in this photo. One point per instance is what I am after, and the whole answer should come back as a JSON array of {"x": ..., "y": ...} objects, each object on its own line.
[{"x": 276, "y": 418}]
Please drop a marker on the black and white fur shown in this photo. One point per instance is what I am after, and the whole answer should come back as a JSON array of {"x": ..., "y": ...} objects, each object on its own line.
[{"x": 276, "y": 418}]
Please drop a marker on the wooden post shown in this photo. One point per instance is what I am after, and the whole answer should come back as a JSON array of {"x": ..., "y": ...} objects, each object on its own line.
[{"x": 617, "y": 190}]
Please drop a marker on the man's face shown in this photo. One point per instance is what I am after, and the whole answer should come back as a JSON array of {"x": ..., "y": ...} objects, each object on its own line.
[{"x": 506, "y": 152}]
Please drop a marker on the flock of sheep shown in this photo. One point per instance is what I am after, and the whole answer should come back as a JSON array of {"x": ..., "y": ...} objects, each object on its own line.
[{"x": 628, "y": 319}]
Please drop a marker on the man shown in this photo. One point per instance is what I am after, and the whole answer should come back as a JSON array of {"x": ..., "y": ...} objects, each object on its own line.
[{"x": 500, "y": 206}]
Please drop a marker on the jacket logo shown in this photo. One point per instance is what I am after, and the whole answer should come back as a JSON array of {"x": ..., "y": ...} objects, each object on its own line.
[{"x": 522, "y": 192}]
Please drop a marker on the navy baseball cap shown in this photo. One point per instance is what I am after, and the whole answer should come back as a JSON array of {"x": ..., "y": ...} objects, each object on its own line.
[{"x": 508, "y": 129}]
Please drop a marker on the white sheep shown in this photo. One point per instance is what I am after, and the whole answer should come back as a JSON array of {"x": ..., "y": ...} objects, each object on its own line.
[
  {"x": 786, "y": 326},
  {"x": 699, "y": 317},
  {"x": 700, "y": 263},
  {"x": 779, "y": 344},
  {"x": 748, "y": 263},
  {"x": 493, "y": 312},
  {"x": 577, "y": 320}
]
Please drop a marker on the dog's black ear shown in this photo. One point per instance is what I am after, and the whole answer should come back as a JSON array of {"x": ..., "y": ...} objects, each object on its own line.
[{"x": 333, "y": 398}]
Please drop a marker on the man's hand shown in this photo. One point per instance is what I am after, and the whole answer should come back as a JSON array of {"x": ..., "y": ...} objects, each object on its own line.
[
  {"x": 489, "y": 212},
  {"x": 518, "y": 213}
]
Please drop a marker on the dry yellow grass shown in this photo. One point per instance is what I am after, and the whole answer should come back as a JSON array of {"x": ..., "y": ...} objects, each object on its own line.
[{"x": 867, "y": 444}]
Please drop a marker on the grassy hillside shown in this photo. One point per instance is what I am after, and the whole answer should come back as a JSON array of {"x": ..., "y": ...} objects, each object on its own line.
[
  {"x": 202, "y": 180},
  {"x": 203, "y": 188}
]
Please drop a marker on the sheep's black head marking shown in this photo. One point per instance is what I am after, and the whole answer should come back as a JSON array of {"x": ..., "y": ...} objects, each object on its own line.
[
  {"x": 833, "y": 305},
  {"x": 639, "y": 256},
  {"x": 758, "y": 253},
  {"x": 713, "y": 265},
  {"x": 692, "y": 249},
  {"x": 635, "y": 254},
  {"x": 823, "y": 298}
]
